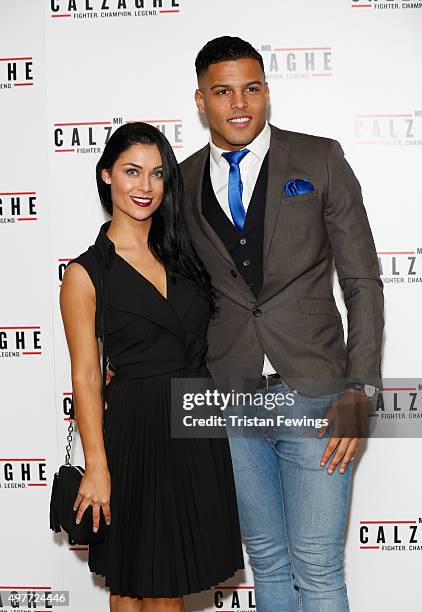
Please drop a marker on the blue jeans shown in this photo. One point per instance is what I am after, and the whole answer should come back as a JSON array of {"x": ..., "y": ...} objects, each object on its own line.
[{"x": 292, "y": 512}]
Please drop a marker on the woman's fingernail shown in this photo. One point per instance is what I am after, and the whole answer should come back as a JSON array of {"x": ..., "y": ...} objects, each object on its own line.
[
  {"x": 330, "y": 471},
  {"x": 322, "y": 463}
]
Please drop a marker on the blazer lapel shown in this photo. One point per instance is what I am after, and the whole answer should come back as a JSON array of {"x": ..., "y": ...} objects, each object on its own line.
[
  {"x": 277, "y": 166},
  {"x": 197, "y": 206}
]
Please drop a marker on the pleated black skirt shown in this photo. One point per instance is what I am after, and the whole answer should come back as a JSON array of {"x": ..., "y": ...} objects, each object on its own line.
[{"x": 174, "y": 524}]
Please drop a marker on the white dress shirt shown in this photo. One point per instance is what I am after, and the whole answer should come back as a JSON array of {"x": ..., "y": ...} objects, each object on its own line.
[
  {"x": 250, "y": 167},
  {"x": 249, "y": 170}
]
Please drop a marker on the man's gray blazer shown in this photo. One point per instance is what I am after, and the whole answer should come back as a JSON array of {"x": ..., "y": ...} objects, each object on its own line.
[{"x": 294, "y": 319}]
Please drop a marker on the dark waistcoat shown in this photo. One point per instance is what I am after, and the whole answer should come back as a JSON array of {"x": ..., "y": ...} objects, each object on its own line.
[{"x": 245, "y": 246}]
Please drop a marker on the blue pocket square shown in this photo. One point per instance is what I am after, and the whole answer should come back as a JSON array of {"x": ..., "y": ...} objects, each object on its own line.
[{"x": 295, "y": 187}]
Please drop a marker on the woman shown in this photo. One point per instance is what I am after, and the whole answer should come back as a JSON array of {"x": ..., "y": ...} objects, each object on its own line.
[{"x": 170, "y": 502}]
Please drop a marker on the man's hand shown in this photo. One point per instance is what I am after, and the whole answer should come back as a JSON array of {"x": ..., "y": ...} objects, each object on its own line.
[
  {"x": 109, "y": 376},
  {"x": 349, "y": 417}
]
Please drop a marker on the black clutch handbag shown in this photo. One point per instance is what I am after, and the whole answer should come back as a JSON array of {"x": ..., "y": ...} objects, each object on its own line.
[
  {"x": 65, "y": 488},
  {"x": 67, "y": 480}
]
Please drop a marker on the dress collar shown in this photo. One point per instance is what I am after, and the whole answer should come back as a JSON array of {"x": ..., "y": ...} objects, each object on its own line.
[
  {"x": 104, "y": 246},
  {"x": 130, "y": 291}
]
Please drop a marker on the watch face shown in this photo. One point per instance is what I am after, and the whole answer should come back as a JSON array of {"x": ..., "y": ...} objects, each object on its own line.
[{"x": 369, "y": 390}]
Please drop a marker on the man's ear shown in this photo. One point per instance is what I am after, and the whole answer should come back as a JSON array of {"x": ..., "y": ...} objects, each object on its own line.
[
  {"x": 199, "y": 100},
  {"x": 105, "y": 175}
]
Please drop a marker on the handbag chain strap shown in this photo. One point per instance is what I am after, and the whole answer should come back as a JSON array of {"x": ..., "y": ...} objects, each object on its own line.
[{"x": 69, "y": 442}]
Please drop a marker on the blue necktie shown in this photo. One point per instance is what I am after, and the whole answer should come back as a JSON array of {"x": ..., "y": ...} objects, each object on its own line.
[{"x": 236, "y": 187}]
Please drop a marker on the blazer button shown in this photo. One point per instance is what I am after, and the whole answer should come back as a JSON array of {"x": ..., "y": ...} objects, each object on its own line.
[
  {"x": 256, "y": 312},
  {"x": 242, "y": 241},
  {"x": 247, "y": 262},
  {"x": 233, "y": 273}
]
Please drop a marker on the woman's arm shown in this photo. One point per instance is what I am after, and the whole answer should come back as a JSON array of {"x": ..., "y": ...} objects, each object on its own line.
[{"x": 77, "y": 304}]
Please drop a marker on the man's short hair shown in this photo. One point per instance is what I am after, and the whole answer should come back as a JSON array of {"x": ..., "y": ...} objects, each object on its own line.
[{"x": 224, "y": 49}]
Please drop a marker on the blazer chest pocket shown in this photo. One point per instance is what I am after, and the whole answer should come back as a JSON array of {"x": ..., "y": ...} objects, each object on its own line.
[{"x": 318, "y": 306}]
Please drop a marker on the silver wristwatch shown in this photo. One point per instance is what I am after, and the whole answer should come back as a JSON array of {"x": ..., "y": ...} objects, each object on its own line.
[{"x": 368, "y": 390}]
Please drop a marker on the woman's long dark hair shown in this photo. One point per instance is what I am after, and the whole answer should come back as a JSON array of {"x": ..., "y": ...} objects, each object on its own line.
[{"x": 168, "y": 238}]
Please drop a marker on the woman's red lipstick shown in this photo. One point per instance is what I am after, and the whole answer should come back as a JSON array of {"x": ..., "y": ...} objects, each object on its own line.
[{"x": 141, "y": 201}]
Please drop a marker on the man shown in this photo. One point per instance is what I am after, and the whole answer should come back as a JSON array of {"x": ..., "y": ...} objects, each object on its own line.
[{"x": 268, "y": 209}]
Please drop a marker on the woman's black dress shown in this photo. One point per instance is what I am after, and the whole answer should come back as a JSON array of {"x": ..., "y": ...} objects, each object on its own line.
[{"x": 174, "y": 524}]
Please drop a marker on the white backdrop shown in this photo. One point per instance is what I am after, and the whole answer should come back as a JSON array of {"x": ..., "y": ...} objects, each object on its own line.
[{"x": 73, "y": 70}]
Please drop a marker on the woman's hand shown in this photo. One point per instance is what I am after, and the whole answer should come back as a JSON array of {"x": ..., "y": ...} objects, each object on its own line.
[{"x": 95, "y": 491}]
